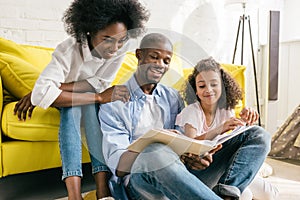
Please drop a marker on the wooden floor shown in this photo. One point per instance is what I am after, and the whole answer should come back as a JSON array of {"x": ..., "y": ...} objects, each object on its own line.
[{"x": 41, "y": 185}]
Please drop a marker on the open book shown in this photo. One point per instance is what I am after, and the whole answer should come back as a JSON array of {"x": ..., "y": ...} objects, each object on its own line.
[{"x": 180, "y": 143}]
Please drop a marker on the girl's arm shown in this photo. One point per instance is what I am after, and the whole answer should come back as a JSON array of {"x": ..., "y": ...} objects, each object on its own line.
[
  {"x": 229, "y": 124},
  {"x": 191, "y": 132}
]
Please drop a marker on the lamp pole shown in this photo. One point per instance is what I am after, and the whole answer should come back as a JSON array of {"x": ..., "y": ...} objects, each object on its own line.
[{"x": 242, "y": 20}]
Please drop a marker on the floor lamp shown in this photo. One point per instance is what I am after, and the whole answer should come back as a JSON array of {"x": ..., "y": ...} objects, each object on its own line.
[{"x": 241, "y": 29}]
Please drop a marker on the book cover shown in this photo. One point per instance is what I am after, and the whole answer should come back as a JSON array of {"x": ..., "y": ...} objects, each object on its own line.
[{"x": 180, "y": 143}]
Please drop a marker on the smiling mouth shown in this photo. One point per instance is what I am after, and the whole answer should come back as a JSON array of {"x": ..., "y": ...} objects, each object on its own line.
[
  {"x": 209, "y": 96},
  {"x": 157, "y": 70},
  {"x": 112, "y": 53}
]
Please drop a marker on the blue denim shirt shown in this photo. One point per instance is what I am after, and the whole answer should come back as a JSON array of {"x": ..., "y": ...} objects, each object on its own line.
[{"x": 119, "y": 120}]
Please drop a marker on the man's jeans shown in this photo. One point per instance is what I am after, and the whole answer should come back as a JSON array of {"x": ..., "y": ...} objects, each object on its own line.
[
  {"x": 158, "y": 172},
  {"x": 70, "y": 139}
]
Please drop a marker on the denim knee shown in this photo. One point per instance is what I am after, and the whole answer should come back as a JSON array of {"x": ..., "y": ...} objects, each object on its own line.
[
  {"x": 264, "y": 137},
  {"x": 154, "y": 157}
]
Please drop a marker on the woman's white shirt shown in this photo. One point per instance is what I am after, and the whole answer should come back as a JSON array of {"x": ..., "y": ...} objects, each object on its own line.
[{"x": 72, "y": 62}]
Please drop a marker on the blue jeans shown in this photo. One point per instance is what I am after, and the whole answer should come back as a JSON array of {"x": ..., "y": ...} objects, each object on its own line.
[
  {"x": 158, "y": 172},
  {"x": 71, "y": 140}
]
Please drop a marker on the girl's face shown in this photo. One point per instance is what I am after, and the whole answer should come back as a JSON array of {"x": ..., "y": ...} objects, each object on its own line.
[
  {"x": 109, "y": 40},
  {"x": 209, "y": 88}
]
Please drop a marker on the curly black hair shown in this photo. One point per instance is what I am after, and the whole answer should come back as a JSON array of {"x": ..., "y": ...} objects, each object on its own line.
[
  {"x": 90, "y": 16},
  {"x": 231, "y": 91}
]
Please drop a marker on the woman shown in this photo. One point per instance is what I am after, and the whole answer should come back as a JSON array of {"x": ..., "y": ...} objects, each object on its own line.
[{"x": 78, "y": 77}]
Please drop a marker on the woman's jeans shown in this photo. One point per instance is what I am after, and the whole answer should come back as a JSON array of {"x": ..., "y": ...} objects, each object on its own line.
[
  {"x": 72, "y": 121},
  {"x": 158, "y": 172}
]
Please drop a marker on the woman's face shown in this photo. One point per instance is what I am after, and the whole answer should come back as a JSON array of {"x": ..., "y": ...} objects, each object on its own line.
[
  {"x": 109, "y": 40},
  {"x": 209, "y": 88}
]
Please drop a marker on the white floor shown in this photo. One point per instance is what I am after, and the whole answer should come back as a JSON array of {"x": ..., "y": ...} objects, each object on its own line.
[{"x": 286, "y": 177}]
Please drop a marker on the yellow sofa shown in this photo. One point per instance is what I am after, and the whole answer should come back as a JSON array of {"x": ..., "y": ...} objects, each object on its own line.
[{"x": 33, "y": 145}]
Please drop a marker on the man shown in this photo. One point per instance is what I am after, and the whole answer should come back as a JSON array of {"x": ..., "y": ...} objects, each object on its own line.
[{"x": 158, "y": 172}]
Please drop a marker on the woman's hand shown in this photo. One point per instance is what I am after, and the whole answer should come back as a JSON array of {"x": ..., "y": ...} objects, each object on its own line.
[
  {"x": 114, "y": 93},
  {"x": 24, "y": 107},
  {"x": 197, "y": 162},
  {"x": 249, "y": 116}
]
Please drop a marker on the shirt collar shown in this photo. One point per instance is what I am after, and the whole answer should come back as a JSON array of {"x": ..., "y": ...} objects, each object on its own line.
[
  {"x": 136, "y": 92},
  {"x": 87, "y": 54}
]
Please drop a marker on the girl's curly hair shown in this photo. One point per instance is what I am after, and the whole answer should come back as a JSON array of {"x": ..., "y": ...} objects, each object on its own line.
[
  {"x": 231, "y": 92},
  {"x": 91, "y": 16}
]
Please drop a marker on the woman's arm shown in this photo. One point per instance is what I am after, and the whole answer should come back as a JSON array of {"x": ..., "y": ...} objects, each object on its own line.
[
  {"x": 80, "y": 86},
  {"x": 67, "y": 98}
]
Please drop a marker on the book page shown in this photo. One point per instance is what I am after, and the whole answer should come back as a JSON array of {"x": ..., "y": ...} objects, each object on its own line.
[
  {"x": 179, "y": 143},
  {"x": 226, "y": 136}
]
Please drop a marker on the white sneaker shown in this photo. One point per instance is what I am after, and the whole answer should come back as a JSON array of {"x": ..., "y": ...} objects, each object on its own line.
[
  {"x": 265, "y": 170},
  {"x": 107, "y": 198}
]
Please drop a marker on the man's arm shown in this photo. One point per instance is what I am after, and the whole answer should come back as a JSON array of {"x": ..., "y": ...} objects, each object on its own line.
[
  {"x": 125, "y": 163},
  {"x": 116, "y": 126}
]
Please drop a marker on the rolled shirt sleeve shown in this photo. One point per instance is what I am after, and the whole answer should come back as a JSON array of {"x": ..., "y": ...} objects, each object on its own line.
[{"x": 46, "y": 89}]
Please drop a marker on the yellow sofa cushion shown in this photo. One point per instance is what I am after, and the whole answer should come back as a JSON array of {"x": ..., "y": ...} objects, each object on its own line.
[
  {"x": 20, "y": 66},
  {"x": 23, "y": 156},
  {"x": 43, "y": 126}
]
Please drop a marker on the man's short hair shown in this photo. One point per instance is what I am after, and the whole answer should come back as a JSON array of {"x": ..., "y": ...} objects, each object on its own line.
[{"x": 151, "y": 41}]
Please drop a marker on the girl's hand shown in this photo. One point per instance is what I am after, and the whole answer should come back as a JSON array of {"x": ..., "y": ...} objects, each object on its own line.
[
  {"x": 249, "y": 115},
  {"x": 114, "y": 93},
  {"x": 231, "y": 124}
]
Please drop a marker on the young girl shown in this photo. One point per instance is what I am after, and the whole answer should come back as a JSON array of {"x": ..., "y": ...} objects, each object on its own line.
[
  {"x": 211, "y": 95},
  {"x": 78, "y": 77}
]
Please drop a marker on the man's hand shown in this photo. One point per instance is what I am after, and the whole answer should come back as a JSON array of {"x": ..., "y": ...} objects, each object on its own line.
[
  {"x": 249, "y": 115},
  {"x": 197, "y": 162},
  {"x": 24, "y": 107},
  {"x": 114, "y": 93}
]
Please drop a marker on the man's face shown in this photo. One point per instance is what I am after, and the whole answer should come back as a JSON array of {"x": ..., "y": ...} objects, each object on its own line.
[{"x": 153, "y": 64}]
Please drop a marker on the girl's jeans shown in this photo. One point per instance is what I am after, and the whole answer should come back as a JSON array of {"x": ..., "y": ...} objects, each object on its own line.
[
  {"x": 158, "y": 172},
  {"x": 71, "y": 140}
]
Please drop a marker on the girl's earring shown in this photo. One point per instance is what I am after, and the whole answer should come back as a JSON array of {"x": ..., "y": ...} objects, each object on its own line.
[{"x": 88, "y": 33}]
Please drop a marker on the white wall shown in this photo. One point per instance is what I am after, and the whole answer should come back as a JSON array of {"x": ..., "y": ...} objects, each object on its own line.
[
  {"x": 290, "y": 27},
  {"x": 36, "y": 22},
  {"x": 289, "y": 68}
]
